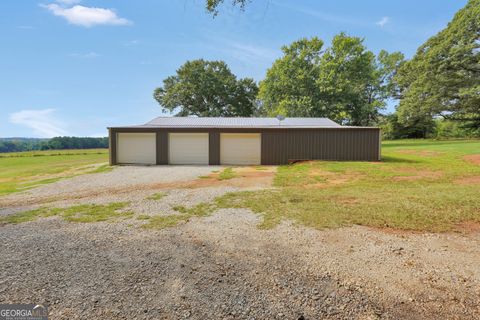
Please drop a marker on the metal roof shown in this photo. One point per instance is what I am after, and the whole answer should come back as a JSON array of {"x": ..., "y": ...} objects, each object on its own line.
[{"x": 221, "y": 122}]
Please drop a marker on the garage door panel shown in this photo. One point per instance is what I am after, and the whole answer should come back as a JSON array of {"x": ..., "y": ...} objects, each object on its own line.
[
  {"x": 188, "y": 148},
  {"x": 136, "y": 148},
  {"x": 240, "y": 148}
]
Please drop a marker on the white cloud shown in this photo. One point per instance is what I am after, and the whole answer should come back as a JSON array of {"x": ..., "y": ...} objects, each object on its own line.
[
  {"x": 245, "y": 52},
  {"x": 88, "y": 55},
  {"x": 41, "y": 121},
  {"x": 248, "y": 52},
  {"x": 382, "y": 22},
  {"x": 87, "y": 16},
  {"x": 325, "y": 16},
  {"x": 130, "y": 43},
  {"x": 68, "y": 2}
]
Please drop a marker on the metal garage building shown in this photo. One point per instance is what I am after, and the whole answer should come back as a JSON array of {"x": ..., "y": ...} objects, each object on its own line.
[{"x": 241, "y": 141}]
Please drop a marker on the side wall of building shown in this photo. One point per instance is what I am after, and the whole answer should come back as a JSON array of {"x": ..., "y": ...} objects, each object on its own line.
[
  {"x": 283, "y": 146},
  {"x": 279, "y": 146}
]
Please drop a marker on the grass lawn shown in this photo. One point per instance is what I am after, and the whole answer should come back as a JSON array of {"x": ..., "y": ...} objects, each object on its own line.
[
  {"x": 24, "y": 170},
  {"x": 420, "y": 185}
]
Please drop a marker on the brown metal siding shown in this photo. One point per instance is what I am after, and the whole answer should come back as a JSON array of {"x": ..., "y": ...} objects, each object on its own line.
[
  {"x": 279, "y": 146},
  {"x": 214, "y": 147},
  {"x": 112, "y": 147},
  {"x": 282, "y": 146},
  {"x": 162, "y": 147}
]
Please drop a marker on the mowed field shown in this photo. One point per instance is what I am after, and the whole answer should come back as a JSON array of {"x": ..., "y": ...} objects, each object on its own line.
[{"x": 24, "y": 170}]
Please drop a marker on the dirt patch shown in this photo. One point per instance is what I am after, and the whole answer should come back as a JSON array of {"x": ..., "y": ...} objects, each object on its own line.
[
  {"x": 423, "y": 153},
  {"x": 333, "y": 180},
  {"x": 468, "y": 227},
  {"x": 319, "y": 172},
  {"x": 417, "y": 174},
  {"x": 329, "y": 179},
  {"x": 468, "y": 180},
  {"x": 473, "y": 158},
  {"x": 246, "y": 179},
  {"x": 345, "y": 200}
]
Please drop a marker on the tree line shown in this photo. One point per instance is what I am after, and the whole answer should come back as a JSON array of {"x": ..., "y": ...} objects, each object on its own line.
[
  {"x": 437, "y": 90},
  {"x": 57, "y": 143}
]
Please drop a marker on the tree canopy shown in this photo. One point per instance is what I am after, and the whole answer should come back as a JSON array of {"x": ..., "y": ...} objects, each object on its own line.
[
  {"x": 212, "y": 5},
  {"x": 443, "y": 78},
  {"x": 207, "y": 89},
  {"x": 344, "y": 82},
  {"x": 289, "y": 87}
]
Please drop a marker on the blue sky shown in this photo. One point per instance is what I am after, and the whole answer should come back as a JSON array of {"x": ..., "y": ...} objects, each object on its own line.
[{"x": 70, "y": 67}]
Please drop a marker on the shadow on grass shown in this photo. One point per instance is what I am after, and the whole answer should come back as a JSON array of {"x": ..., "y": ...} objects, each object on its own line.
[{"x": 391, "y": 159}]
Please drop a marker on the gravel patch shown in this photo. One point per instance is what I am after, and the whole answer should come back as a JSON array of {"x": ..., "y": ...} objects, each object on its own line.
[
  {"x": 112, "y": 272},
  {"x": 124, "y": 183},
  {"x": 224, "y": 267}
]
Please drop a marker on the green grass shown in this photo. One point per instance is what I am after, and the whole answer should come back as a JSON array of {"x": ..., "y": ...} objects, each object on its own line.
[
  {"x": 156, "y": 196},
  {"x": 184, "y": 214},
  {"x": 80, "y": 213},
  {"x": 414, "y": 188},
  {"x": 43, "y": 153},
  {"x": 227, "y": 174},
  {"x": 180, "y": 208},
  {"x": 25, "y": 170}
]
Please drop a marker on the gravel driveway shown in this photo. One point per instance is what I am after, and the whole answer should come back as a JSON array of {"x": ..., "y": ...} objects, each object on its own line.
[{"x": 223, "y": 266}]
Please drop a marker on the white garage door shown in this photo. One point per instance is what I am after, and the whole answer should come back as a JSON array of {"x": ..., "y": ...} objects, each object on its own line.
[
  {"x": 136, "y": 148},
  {"x": 240, "y": 148},
  {"x": 188, "y": 148}
]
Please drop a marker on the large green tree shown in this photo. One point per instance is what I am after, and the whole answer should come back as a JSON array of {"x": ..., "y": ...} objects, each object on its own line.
[
  {"x": 207, "y": 89},
  {"x": 289, "y": 87},
  {"x": 344, "y": 82},
  {"x": 443, "y": 78}
]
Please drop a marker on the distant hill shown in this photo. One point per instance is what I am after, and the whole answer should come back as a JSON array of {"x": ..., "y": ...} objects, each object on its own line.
[{"x": 58, "y": 143}]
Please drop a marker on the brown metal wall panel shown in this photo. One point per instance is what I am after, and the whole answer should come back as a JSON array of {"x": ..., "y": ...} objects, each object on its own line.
[
  {"x": 214, "y": 147},
  {"x": 282, "y": 146},
  {"x": 112, "y": 147},
  {"x": 162, "y": 147}
]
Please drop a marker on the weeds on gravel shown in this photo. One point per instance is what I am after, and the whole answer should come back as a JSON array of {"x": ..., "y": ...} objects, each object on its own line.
[
  {"x": 143, "y": 217},
  {"x": 102, "y": 168},
  {"x": 184, "y": 214},
  {"x": 227, "y": 174},
  {"x": 79, "y": 213},
  {"x": 156, "y": 196},
  {"x": 180, "y": 208},
  {"x": 96, "y": 213}
]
